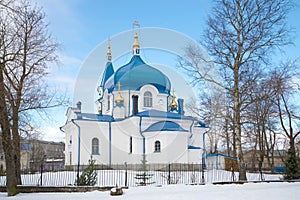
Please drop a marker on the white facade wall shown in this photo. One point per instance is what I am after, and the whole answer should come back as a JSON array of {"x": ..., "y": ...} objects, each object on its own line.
[
  {"x": 71, "y": 140},
  {"x": 173, "y": 147},
  {"x": 114, "y": 142},
  {"x": 121, "y": 133},
  {"x": 195, "y": 156},
  {"x": 88, "y": 131},
  {"x": 197, "y": 137}
]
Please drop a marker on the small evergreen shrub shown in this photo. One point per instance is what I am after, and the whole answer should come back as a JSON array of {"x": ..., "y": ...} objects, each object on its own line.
[
  {"x": 88, "y": 176},
  {"x": 292, "y": 165}
]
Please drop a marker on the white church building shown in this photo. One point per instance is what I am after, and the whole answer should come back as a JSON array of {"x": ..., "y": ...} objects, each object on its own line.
[{"x": 139, "y": 120}]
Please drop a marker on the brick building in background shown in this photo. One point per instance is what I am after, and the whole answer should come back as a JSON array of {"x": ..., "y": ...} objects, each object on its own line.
[{"x": 35, "y": 153}]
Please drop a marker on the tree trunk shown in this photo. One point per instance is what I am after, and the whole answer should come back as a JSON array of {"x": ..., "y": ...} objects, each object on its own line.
[
  {"x": 227, "y": 134},
  {"x": 237, "y": 123},
  {"x": 16, "y": 143},
  {"x": 292, "y": 143},
  {"x": 240, "y": 156},
  {"x": 11, "y": 182}
]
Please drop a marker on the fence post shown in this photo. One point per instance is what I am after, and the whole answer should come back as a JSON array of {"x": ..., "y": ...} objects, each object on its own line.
[
  {"x": 232, "y": 172},
  {"x": 125, "y": 174},
  {"x": 41, "y": 183},
  {"x": 42, "y": 166},
  {"x": 260, "y": 171},
  {"x": 169, "y": 174},
  {"x": 202, "y": 173}
]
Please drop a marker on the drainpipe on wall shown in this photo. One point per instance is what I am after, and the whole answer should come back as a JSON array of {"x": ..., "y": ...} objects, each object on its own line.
[
  {"x": 144, "y": 143},
  {"x": 190, "y": 136},
  {"x": 167, "y": 100},
  {"x": 204, "y": 148},
  {"x": 129, "y": 101},
  {"x": 78, "y": 159},
  {"x": 191, "y": 128},
  {"x": 65, "y": 152},
  {"x": 112, "y": 104},
  {"x": 109, "y": 131}
]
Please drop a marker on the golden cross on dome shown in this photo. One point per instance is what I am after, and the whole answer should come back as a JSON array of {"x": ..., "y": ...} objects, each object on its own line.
[
  {"x": 108, "y": 43},
  {"x": 108, "y": 47},
  {"x": 119, "y": 99},
  {"x": 136, "y": 24},
  {"x": 136, "y": 44},
  {"x": 108, "y": 53},
  {"x": 173, "y": 104}
]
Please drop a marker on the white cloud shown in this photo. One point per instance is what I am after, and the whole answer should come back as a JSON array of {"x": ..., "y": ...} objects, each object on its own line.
[
  {"x": 68, "y": 61},
  {"x": 53, "y": 134},
  {"x": 63, "y": 75}
]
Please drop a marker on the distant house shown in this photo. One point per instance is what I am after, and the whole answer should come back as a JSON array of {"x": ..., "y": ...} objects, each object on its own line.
[
  {"x": 252, "y": 160},
  {"x": 221, "y": 162},
  {"x": 25, "y": 156},
  {"x": 48, "y": 154},
  {"x": 26, "y": 150},
  {"x": 35, "y": 153}
]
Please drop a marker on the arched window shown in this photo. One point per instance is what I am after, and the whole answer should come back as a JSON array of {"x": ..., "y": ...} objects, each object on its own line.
[
  {"x": 157, "y": 146},
  {"x": 147, "y": 99},
  {"x": 70, "y": 139},
  {"x": 95, "y": 146}
]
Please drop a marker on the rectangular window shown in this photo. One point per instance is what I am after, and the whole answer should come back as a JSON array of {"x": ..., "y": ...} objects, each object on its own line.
[
  {"x": 135, "y": 109},
  {"x": 70, "y": 158},
  {"x": 130, "y": 145},
  {"x": 108, "y": 102}
]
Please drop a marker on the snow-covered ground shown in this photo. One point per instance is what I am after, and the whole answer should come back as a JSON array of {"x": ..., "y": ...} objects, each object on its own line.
[{"x": 249, "y": 191}]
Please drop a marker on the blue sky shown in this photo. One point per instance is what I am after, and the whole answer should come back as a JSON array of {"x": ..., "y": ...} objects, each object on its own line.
[{"x": 80, "y": 26}]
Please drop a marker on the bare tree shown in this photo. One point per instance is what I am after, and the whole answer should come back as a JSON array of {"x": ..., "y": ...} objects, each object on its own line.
[
  {"x": 212, "y": 112},
  {"x": 261, "y": 120},
  {"x": 240, "y": 36},
  {"x": 289, "y": 118},
  {"x": 25, "y": 49},
  {"x": 6, "y": 56}
]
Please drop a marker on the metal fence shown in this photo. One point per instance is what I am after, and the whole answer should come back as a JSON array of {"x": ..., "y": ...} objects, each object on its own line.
[{"x": 135, "y": 175}]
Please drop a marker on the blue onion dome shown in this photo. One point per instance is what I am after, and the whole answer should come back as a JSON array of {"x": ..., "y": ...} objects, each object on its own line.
[{"x": 137, "y": 73}]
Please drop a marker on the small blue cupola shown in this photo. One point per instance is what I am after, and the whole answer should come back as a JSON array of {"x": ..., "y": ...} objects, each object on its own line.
[
  {"x": 109, "y": 69},
  {"x": 165, "y": 126}
]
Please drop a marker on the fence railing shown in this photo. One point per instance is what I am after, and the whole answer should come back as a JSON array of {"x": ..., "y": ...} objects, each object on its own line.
[{"x": 135, "y": 175}]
